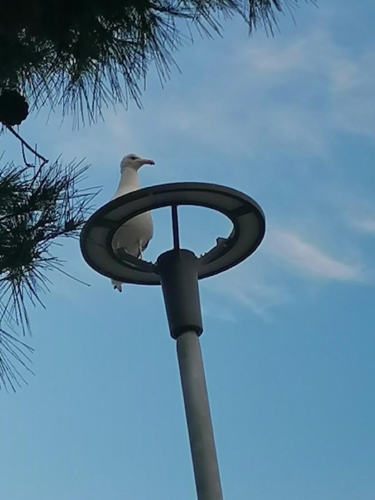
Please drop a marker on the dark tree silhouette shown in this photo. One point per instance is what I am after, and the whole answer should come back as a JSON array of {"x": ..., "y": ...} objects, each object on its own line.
[
  {"x": 39, "y": 203},
  {"x": 88, "y": 54}
]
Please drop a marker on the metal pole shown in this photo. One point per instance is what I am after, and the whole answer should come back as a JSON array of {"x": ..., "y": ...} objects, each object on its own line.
[
  {"x": 178, "y": 270},
  {"x": 202, "y": 444}
]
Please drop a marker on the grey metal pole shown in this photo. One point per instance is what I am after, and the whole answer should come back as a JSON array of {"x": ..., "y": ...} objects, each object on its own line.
[
  {"x": 179, "y": 279},
  {"x": 202, "y": 444}
]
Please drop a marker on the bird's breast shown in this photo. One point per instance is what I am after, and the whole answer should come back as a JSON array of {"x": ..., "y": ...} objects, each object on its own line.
[
  {"x": 141, "y": 227},
  {"x": 144, "y": 223}
]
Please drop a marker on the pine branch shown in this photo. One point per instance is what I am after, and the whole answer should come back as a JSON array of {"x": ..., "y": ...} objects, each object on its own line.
[
  {"x": 37, "y": 206},
  {"x": 95, "y": 53},
  {"x": 14, "y": 358},
  {"x": 27, "y": 146}
]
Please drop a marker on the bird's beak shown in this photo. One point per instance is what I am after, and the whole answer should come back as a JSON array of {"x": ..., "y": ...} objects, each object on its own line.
[{"x": 148, "y": 162}]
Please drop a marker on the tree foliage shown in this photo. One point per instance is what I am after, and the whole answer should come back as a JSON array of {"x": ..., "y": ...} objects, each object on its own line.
[
  {"x": 39, "y": 203},
  {"x": 87, "y": 54}
]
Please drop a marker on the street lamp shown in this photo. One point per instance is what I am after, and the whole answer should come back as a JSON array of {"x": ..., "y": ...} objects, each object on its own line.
[{"x": 178, "y": 271}]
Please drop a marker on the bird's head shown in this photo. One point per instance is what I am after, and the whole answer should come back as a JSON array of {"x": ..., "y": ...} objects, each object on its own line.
[{"x": 134, "y": 162}]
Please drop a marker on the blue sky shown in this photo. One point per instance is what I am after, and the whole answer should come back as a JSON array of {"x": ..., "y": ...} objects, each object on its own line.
[{"x": 289, "y": 335}]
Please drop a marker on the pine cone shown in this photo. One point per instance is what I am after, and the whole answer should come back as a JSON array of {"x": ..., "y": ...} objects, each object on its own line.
[{"x": 13, "y": 107}]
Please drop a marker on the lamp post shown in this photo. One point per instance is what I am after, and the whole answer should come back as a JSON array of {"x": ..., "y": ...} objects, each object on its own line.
[{"x": 178, "y": 271}]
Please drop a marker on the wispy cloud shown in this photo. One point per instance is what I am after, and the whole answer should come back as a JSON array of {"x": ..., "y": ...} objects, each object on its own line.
[
  {"x": 311, "y": 55},
  {"x": 366, "y": 224},
  {"x": 289, "y": 96},
  {"x": 218, "y": 312},
  {"x": 353, "y": 207},
  {"x": 362, "y": 220},
  {"x": 250, "y": 287},
  {"x": 310, "y": 259}
]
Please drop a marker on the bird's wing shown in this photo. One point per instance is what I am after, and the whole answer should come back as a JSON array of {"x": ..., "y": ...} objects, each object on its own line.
[
  {"x": 145, "y": 245},
  {"x": 127, "y": 237}
]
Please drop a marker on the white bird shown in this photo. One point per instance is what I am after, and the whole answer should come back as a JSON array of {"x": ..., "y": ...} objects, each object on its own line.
[{"x": 134, "y": 235}]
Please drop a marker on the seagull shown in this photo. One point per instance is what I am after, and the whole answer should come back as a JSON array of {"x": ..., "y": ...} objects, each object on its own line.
[{"x": 135, "y": 235}]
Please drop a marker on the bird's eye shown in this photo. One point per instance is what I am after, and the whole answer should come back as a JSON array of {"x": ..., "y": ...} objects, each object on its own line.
[{"x": 133, "y": 157}]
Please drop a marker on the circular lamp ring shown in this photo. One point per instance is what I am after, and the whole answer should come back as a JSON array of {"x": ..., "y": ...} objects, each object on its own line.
[{"x": 245, "y": 214}]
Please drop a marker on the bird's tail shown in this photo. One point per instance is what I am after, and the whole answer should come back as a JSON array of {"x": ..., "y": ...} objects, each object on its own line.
[{"x": 117, "y": 285}]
